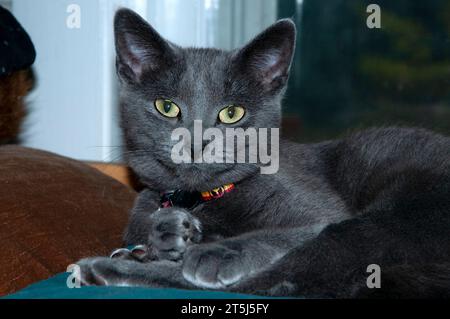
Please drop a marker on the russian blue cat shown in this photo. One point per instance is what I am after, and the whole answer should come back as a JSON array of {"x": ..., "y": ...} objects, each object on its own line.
[{"x": 377, "y": 197}]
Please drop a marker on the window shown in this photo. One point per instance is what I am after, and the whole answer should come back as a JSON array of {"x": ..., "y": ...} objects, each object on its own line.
[
  {"x": 348, "y": 76},
  {"x": 344, "y": 76}
]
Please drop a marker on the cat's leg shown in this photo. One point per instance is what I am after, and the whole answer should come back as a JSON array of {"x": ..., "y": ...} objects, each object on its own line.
[
  {"x": 138, "y": 229},
  {"x": 169, "y": 232},
  {"x": 161, "y": 233},
  {"x": 172, "y": 231},
  {"x": 413, "y": 230},
  {"x": 212, "y": 265},
  {"x": 101, "y": 271},
  {"x": 155, "y": 233},
  {"x": 220, "y": 264}
]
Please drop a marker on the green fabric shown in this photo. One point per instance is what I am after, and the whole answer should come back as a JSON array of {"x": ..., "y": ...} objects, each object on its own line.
[{"x": 56, "y": 288}]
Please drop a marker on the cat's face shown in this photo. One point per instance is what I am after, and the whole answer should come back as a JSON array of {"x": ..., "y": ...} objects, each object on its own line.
[{"x": 201, "y": 83}]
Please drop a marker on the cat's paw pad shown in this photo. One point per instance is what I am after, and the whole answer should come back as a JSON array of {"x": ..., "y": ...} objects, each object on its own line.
[
  {"x": 137, "y": 253},
  {"x": 173, "y": 230},
  {"x": 213, "y": 266}
]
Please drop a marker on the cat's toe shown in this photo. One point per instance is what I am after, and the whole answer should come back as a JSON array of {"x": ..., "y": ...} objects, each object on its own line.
[
  {"x": 173, "y": 230},
  {"x": 121, "y": 253},
  {"x": 213, "y": 266},
  {"x": 139, "y": 253}
]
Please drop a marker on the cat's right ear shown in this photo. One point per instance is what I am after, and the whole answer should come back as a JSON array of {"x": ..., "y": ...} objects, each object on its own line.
[
  {"x": 140, "y": 49},
  {"x": 268, "y": 57}
]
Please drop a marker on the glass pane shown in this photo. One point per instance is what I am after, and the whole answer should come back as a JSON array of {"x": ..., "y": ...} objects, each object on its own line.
[{"x": 347, "y": 75}]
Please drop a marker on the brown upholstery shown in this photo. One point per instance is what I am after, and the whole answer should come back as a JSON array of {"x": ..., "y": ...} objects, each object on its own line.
[
  {"x": 54, "y": 211},
  {"x": 120, "y": 172}
]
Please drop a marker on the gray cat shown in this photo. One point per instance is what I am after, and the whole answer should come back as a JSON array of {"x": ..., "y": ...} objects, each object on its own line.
[{"x": 376, "y": 197}]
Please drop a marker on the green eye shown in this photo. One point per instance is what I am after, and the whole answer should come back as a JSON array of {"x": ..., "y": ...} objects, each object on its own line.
[
  {"x": 167, "y": 108},
  {"x": 231, "y": 114}
]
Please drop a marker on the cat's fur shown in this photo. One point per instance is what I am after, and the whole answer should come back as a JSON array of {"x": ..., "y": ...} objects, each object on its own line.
[{"x": 377, "y": 197}]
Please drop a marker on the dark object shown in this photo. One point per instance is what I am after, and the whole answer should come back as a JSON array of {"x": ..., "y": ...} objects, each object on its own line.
[
  {"x": 16, "y": 49},
  {"x": 13, "y": 90},
  {"x": 179, "y": 198},
  {"x": 189, "y": 200}
]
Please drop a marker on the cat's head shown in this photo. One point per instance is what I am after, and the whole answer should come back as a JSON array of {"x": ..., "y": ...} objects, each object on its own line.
[{"x": 195, "y": 84}]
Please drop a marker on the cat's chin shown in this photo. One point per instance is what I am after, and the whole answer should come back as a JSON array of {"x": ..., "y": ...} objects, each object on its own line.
[
  {"x": 164, "y": 175},
  {"x": 198, "y": 177},
  {"x": 204, "y": 177}
]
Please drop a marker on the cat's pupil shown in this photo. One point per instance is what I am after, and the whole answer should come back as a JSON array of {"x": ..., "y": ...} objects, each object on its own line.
[
  {"x": 167, "y": 106},
  {"x": 231, "y": 112}
]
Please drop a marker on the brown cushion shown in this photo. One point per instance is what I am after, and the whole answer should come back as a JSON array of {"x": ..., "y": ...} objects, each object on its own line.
[{"x": 54, "y": 211}]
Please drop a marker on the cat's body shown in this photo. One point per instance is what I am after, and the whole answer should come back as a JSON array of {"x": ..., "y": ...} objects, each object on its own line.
[
  {"x": 304, "y": 199},
  {"x": 377, "y": 197}
]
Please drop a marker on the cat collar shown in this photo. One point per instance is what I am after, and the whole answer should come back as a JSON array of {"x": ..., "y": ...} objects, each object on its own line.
[{"x": 189, "y": 200}]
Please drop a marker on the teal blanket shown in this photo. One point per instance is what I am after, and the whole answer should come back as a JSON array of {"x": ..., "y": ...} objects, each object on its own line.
[{"x": 56, "y": 288}]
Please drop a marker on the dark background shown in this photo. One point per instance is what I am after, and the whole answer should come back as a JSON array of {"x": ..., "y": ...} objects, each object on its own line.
[{"x": 347, "y": 76}]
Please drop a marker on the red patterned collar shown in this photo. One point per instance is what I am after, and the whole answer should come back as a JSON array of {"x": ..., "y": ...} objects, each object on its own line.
[{"x": 189, "y": 200}]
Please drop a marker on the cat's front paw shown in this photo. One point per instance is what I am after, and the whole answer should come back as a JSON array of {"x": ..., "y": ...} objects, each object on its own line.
[
  {"x": 173, "y": 230},
  {"x": 214, "y": 266},
  {"x": 98, "y": 271}
]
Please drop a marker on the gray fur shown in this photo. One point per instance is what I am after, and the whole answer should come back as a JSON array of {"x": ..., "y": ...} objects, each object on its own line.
[{"x": 309, "y": 230}]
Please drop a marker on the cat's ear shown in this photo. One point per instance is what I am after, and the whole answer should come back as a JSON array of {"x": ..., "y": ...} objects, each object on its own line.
[
  {"x": 268, "y": 57},
  {"x": 140, "y": 49}
]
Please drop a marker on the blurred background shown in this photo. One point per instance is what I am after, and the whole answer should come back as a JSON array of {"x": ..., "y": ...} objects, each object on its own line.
[{"x": 346, "y": 76}]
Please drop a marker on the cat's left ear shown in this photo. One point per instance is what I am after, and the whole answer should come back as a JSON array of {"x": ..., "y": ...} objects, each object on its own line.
[
  {"x": 140, "y": 49},
  {"x": 268, "y": 57}
]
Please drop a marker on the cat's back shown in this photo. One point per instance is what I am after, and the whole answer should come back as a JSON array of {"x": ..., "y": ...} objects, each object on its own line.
[
  {"x": 364, "y": 164},
  {"x": 410, "y": 146},
  {"x": 350, "y": 162}
]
